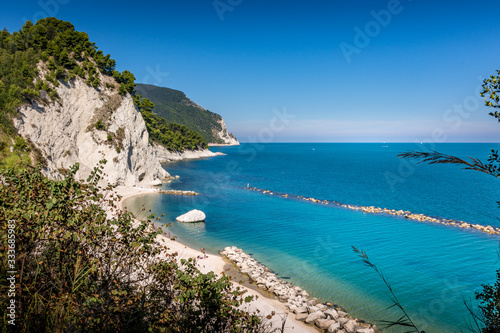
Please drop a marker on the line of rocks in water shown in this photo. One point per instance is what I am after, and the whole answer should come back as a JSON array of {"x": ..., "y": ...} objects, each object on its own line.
[
  {"x": 376, "y": 210},
  {"x": 324, "y": 316},
  {"x": 177, "y": 192}
]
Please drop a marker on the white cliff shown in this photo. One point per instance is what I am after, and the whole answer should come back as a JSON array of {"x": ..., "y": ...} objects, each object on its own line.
[
  {"x": 65, "y": 131},
  {"x": 227, "y": 138},
  {"x": 219, "y": 132}
]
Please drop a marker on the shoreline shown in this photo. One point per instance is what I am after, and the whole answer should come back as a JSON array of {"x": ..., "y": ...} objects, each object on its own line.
[
  {"x": 223, "y": 144},
  {"x": 326, "y": 316},
  {"x": 165, "y": 156},
  {"x": 216, "y": 263}
]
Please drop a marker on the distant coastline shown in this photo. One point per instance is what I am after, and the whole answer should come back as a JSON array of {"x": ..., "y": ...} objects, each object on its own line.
[{"x": 222, "y": 144}]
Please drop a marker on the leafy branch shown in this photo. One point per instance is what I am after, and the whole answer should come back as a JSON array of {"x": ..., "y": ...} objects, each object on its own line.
[
  {"x": 435, "y": 157},
  {"x": 404, "y": 320}
]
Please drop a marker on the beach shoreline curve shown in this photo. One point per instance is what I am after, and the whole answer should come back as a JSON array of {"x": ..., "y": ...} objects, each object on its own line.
[{"x": 216, "y": 263}]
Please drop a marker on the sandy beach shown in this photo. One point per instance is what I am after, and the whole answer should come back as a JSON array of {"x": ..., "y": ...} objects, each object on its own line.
[{"x": 214, "y": 262}]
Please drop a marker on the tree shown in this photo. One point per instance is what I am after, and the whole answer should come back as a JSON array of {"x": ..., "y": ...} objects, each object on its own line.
[
  {"x": 487, "y": 316},
  {"x": 64, "y": 59},
  {"x": 126, "y": 80},
  {"x": 491, "y": 91}
]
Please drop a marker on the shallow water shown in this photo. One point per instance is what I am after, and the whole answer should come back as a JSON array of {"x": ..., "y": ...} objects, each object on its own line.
[{"x": 432, "y": 268}]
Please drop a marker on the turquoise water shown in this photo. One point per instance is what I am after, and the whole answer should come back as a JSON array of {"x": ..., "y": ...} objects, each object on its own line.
[{"x": 432, "y": 268}]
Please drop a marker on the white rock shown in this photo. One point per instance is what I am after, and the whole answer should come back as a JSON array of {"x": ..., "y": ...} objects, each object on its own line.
[
  {"x": 342, "y": 320},
  {"x": 65, "y": 133},
  {"x": 314, "y": 316},
  {"x": 223, "y": 134},
  {"x": 351, "y": 326},
  {"x": 342, "y": 313},
  {"x": 301, "y": 309},
  {"x": 334, "y": 328},
  {"x": 192, "y": 216},
  {"x": 324, "y": 323},
  {"x": 301, "y": 316},
  {"x": 164, "y": 155},
  {"x": 320, "y": 306},
  {"x": 312, "y": 309},
  {"x": 312, "y": 302},
  {"x": 332, "y": 313},
  {"x": 365, "y": 330}
]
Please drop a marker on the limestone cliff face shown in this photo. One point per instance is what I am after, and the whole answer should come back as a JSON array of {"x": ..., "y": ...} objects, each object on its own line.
[
  {"x": 228, "y": 139},
  {"x": 86, "y": 125}
]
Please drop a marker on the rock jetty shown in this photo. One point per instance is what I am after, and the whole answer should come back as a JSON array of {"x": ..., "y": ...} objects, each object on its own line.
[
  {"x": 177, "y": 192},
  {"x": 324, "y": 316},
  {"x": 376, "y": 210}
]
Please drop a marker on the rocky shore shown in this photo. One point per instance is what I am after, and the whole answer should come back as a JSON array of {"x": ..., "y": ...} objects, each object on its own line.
[
  {"x": 164, "y": 155},
  {"x": 326, "y": 317},
  {"x": 376, "y": 210}
]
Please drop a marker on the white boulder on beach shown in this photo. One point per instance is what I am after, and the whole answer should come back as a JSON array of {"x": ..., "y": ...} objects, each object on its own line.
[{"x": 194, "y": 215}]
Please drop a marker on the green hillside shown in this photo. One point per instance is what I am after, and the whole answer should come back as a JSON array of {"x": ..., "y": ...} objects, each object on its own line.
[
  {"x": 174, "y": 106},
  {"x": 66, "y": 54}
]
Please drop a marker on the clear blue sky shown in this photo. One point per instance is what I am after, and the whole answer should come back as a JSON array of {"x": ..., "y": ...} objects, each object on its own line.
[{"x": 410, "y": 76}]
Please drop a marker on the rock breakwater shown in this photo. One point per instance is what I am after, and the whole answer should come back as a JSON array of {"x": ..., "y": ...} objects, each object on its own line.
[
  {"x": 326, "y": 316},
  {"x": 376, "y": 210},
  {"x": 178, "y": 192}
]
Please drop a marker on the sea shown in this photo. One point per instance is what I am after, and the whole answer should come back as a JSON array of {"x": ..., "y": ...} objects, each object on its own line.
[{"x": 433, "y": 269}]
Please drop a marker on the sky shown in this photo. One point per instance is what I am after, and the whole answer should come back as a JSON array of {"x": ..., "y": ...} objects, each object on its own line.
[{"x": 305, "y": 71}]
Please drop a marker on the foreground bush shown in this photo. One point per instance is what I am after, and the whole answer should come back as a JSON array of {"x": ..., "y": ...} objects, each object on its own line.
[{"x": 78, "y": 270}]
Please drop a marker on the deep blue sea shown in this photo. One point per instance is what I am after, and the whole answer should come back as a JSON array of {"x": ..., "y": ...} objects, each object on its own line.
[{"x": 432, "y": 268}]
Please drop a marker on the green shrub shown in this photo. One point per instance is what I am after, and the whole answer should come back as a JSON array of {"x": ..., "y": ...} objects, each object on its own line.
[
  {"x": 53, "y": 95},
  {"x": 60, "y": 73},
  {"x": 16, "y": 160},
  {"x": 44, "y": 56},
  {"x": 29, "y": 94},
  {"x": 99, "y": 125},
  {"x": 51, "y": 65},
  {"x": 122, "y": 89},
  {"x": 20, "y": 145}
]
